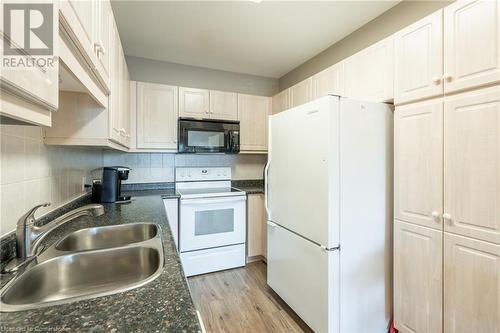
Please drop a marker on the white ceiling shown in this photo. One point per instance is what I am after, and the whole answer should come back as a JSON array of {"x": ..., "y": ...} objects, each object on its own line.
[{"x": 269, "y": 38}]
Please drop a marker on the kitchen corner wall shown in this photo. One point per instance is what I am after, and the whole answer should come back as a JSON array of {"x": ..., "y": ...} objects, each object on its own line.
[
  {"x": 32, "y": 173},
  {"x": 160, "y": 167}
]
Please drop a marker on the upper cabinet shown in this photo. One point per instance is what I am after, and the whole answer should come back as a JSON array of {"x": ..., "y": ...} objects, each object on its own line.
[
  {"x": 194, "y": 103},
  {"x": 329, "y": 82},
  {"x": 105, "y": 24},
  {"x": 369, "y": 73},
  {"x": 468, "y": 41},
  {"x": 203, "y": 103},
  {"x": 281, "y": 101},
  {"x": 28, "y": 93},
  {"x": 419, "y": 60},
  {"x": 253, "y": 113},
  {"x": 471, "y": 44},
  {"x": 94, "y": 108},
  {"x": 301, "y": 92},
  {"x": 157, "y": 108},
  {"x": 87, "y": 25},
  {"x": 157, "y": 113},
  {"x": 223, "y": 105}
]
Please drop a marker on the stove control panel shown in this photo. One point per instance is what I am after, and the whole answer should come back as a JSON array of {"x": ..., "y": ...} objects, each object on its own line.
[{"x": 202, "y": 174}]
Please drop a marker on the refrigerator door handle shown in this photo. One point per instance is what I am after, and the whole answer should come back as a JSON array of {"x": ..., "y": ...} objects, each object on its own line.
[
  {"x": 328, "y": 249},
  {"x": 266, "y": 191}
]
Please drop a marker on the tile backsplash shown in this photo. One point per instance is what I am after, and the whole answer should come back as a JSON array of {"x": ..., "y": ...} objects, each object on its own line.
[
  {"x": 32, "y": 173},
  {"x": 160, "y": 167}
]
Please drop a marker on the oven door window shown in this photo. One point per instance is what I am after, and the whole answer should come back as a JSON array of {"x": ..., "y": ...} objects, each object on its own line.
[
  {"x": 214, "y": 222},
  {"x": 205, "y": 139},
  {"x": 210, "y": 222}
]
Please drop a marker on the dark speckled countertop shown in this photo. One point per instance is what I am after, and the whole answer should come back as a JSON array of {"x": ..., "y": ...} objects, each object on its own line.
[
  {"x": 163, "y": 305},
  {"x": 249, "y": 186}
]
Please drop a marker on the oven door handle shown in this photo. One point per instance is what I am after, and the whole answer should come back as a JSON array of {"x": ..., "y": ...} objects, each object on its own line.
[{"x": 202, "y": 201}]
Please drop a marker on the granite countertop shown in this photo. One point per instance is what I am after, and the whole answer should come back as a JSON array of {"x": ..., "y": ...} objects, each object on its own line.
[
  {"x": 163, "y": 305},
  {"x": 249, "y": 186}
]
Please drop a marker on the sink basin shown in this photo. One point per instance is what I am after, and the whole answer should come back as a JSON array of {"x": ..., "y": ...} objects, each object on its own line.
[
  {"x": 81, "y": 276},
  {"x": 107, "y": 237},
  {"x": 88, "y": 263}
]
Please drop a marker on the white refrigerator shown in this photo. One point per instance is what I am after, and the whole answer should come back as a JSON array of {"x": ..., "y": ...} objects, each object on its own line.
[{"x": 329, "y": 203}]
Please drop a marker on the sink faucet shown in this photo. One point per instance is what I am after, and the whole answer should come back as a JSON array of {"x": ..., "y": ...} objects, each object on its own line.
[{"x": 29, "y": 235}]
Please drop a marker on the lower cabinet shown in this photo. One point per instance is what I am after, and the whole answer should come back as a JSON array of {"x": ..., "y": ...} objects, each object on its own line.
[
  {"x": 172, "y": 211},
  {"x": 444, "y": 282},
  {"x": 417, "y": 278},
  {"x": 471, "y": 285},
  {"x": 256, "y": 227}
]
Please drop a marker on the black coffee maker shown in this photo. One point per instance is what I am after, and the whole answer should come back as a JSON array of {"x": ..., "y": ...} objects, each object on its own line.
[{"x": 109, "y": 188}]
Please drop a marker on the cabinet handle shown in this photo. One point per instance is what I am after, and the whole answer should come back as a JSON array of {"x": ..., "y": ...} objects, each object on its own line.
[
  {"x": 447, "y": 77},
  {"x": 99, "y": 48},
  {"x": 447, "y": 218},
  {"x": 123, "y": 132},
  {"x": 436, "y": 79},
  {"x": 435, "y": 216}
]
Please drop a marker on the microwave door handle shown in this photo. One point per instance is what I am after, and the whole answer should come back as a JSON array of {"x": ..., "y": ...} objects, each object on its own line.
[{"x": 229, "y": 141}]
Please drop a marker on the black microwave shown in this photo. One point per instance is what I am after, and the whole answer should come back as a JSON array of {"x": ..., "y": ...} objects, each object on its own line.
[{"x": 208, "y": 136}]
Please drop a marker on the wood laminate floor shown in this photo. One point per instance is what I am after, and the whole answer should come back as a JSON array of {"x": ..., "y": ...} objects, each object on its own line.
[{"x": 239, "y": 300}]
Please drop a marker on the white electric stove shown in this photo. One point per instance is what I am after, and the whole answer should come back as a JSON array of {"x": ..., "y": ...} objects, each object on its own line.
[{"x": 212, "y": 227}]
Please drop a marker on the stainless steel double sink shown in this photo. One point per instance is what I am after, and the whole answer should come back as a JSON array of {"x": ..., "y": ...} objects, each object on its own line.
[{"x": 88, "y": 263}]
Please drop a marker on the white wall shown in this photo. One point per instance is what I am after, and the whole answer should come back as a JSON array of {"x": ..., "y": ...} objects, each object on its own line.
[
  {"x": 148, "y": 70},
  {"x": 157, "y": 167},
  {"x": 32, "y": 173}
]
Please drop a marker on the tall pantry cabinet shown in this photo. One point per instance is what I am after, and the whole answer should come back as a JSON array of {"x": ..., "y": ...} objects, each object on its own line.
[{"x": 447, "y": 173}]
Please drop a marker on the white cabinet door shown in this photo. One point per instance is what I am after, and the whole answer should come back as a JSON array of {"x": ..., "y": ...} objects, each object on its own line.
[
  {"x": 281, "y": 101},
  {"x": 253, "y": 113},
  {"x": 472, "y": 164},
  {"x": 369, "y": 73},
  {"x": 419, "y": 60},
  {"x": 329, "y": 82},
  {"x": 38, "y": 87},
  {"x": 418, "y": 163},
  {"x": 116, "y": 102},
  {"x": 157, "y": 113},
  {"x": 471, "y": 285},
  {"x": 471, "y": 44},
  {"x": 104, "y": 21},
  {"x": 301, "y": 92},
  {"x": 85, "y": 12},
  {"x": 194, "y": 103},
  {"x": 125, "y": 112},
  {"x": 223, "y": 105},
  {"x": 417, "y": 278}
]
